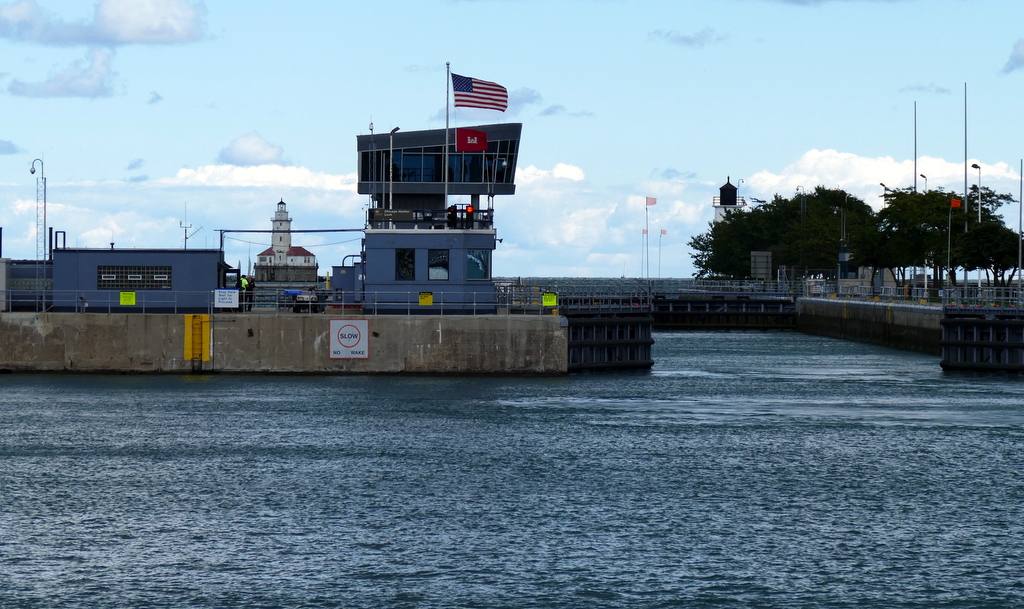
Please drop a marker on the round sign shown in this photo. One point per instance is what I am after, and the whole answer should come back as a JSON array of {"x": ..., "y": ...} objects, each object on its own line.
[{"x": 349, "y": 336}]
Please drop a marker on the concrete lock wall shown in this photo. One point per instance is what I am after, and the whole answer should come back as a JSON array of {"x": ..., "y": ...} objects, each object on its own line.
[
  {"x": 897, "y": 325},
  {"x": 69, "y": 342}
]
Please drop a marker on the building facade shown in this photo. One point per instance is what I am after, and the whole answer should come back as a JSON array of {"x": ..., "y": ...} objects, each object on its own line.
[
  {"x": 283, "y": 262},
  {"x": 136, "y": 280},
  {"x": 430, "y": 235}
]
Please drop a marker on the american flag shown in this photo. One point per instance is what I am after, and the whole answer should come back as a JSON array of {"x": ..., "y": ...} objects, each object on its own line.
[
  {"x": 652, "y": 201},
  {"x": 475, "y": 93}
]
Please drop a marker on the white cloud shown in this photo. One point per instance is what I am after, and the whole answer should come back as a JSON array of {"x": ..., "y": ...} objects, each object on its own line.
[
  {"x": 251, "y": 149},
  {"x": 1016, "y": 59},
  {"x": 702, "y": 38},
  {"x": 561, "y": 171},
  {"x": 147, "y": 21},
  {"x": 260, "y": 176},
  {"x": 863, "y": 176},
  {"x": 79, "y": 80},
  {"x": 115, "y": 22}
]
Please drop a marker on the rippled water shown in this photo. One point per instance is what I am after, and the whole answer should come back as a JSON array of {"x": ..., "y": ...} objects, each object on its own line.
[{"x": 745, "y": 470}]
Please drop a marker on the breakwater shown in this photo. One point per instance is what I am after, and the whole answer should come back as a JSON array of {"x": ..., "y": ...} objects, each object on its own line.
[
  {"x": 246, "y": 343},
  {"x": 898, "y": 325}
]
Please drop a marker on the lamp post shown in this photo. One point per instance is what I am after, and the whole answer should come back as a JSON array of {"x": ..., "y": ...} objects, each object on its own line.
[
  {"x": 803, "y": 233},
  {"x": 978, "y": 167},
  {"x": 925, "y": 182},
  {"x": 40, "y": 226},
  {"x": 391, "y": 170}
]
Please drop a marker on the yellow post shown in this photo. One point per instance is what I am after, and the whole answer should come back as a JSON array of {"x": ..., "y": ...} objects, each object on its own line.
[{"x": 197, "y": 337}]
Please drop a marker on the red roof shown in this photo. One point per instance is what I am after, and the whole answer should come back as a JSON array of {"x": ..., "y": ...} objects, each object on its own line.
[
  {"x": 267, "y": 252},
  {"x": 299, "y": 251}
]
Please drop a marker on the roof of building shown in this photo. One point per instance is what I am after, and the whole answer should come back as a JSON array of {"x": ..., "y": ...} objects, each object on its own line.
[{"x": 299, "y": 251}]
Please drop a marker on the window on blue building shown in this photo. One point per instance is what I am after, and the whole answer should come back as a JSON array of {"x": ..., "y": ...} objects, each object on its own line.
[
  {"x": 405, "y": 264},
  {"x": 437, "y": 265},
  {"x": 478, "y": 264}
]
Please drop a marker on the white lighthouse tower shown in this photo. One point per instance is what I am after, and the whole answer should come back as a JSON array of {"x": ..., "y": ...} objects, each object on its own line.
[
  {"x": 282, "y": 262},
  {"x": 281, "y": 241}
]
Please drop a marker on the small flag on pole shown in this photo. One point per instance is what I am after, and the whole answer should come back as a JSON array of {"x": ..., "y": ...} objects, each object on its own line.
[
  {"x": 652, "y": 201},
  {"x": 955, "y": 203},
  {"x": 664, "y": 232},
  {"x": 475, "y": 93},
  {"x": 645, "y": 231}
]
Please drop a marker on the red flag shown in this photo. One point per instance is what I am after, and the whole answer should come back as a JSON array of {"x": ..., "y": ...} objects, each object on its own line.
[
  {"x": 470, "y": 140},
  {"x": 645, "y": 231},
  {"x": 476, "y": 93},
  {"x": 955, "y": 203},
  {"x": 664, "y": 232},
  {"x": 652, "y": 201}
]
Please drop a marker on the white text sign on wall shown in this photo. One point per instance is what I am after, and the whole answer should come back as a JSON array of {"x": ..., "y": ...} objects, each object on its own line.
[{"x": 350, "y": 339}]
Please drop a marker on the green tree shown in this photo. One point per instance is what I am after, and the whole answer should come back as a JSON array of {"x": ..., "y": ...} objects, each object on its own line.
[{"x": 803, "y": 232}]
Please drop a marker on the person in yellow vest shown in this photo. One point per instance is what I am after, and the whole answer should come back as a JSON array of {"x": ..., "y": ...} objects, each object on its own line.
[{"x": 243, "y": 293}]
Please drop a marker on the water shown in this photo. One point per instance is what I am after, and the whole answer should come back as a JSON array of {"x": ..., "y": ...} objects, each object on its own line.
[{"x": 745, "y": 470}]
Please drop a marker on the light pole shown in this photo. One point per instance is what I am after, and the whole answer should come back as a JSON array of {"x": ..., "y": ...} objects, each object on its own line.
[
  {"x": 978, "y": 167},
  {"x": 803, "y": 233},
  {"x": 925, "y": 182},
  {"x": 40, "y": 225},
  {"x": 391, "y": 171}
]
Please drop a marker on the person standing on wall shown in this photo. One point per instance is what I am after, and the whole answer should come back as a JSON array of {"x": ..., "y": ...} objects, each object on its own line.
[
  {"x": 243, "y": 293},
  {"x": 250, "y": 293}
]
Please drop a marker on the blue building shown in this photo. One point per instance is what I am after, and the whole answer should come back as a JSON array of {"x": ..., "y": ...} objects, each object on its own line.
[
  {"x": 137, "y": 280},
  {"x": 421, "y": 253}
]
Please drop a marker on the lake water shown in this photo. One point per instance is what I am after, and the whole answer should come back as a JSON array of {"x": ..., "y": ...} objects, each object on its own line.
[{"x": 744, "y": 470}]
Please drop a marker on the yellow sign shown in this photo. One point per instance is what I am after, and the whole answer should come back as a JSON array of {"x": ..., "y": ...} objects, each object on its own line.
[
  {"x": 128, "y": 298},
  {"x": 549, "y": 299},
  {"x": 426, "y": 299}
]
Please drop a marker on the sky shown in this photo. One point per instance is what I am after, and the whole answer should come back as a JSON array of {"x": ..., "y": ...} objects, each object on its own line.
[{"x": 154, "y": 119}]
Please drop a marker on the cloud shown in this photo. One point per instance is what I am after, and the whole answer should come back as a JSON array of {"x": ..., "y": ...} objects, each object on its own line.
[
  {"x": 673, "y": 174},
  {"x": 115, "y": 22},
  {"x": 251, "y": 149},
  {"x": 702, "y": 38},
  {"x": 862, "y": 176},
  {"x": 78, "y": 80},
  {"x": 929, "y": 88},
  {"x": 560, "y": 110},
  {"x": 274, "y": 175},
  {"x": 154, "y": 98},
  {"x": 148, "y": 21},
  {"x": 8, "y": 147},
  {"x": 561, "y": 171},
  {"x": 1016, "y": 59},
  {"x": 135, "y": 164}
]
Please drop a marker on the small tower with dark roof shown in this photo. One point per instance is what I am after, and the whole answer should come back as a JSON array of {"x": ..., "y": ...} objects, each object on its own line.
[{"x": 727, "y": 201}]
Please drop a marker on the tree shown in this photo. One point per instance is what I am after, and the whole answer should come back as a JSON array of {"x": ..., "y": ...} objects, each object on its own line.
[{"x": 802, "y": 232}]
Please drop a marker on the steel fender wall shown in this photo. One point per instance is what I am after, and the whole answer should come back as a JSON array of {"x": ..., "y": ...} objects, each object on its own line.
[{"x": 901, "y": 326}]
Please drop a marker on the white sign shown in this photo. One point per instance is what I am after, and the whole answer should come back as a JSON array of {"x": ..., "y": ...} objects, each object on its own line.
[
  {"x": 350, "y": 339},
  {"x": 225, "y": 298}
]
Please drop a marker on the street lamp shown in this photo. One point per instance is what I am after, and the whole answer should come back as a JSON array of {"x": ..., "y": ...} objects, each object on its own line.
[
  {"x": 925, "y": 182},
  {"x": 40, "y": 226},
  {"x": 978, "y": 167},
  {"x": 391, "y": 171}
]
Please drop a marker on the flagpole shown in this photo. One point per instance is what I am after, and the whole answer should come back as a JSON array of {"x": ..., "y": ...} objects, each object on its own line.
[
  {"x": 444, "y": 170},
  {"x": 660, "y": 235},
  {"x": 647, "y": 239}
]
